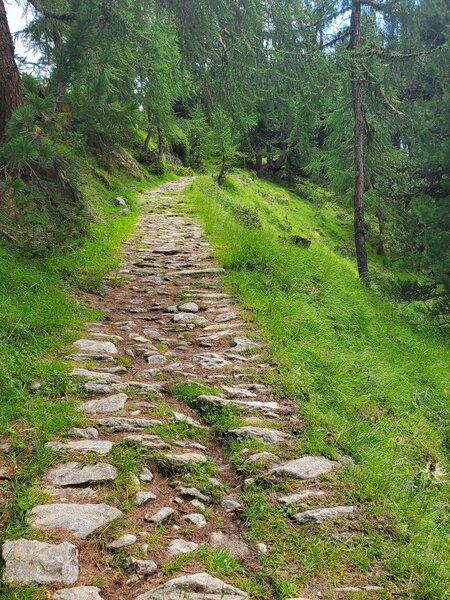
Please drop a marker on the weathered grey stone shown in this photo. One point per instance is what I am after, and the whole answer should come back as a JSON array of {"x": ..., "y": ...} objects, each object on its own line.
[
  {"x": 79, "y": 519},
  {"x": 177, "y": 416},
  {"x": 264, "y": 434},
  {"x": 109, "y": 404},
  {"x": 182, "y": 460},
  {"x": 89, "y": 433},
  {"x": 189, "y": 307},
  {"x": 181, "y": 547},
  {"x": 242, "y": 343},
  {"x": 297, "y": 497},
  {"x": 189, "y": 319},
  {"x": 139, "y": 567},
  {"x": 196, "y": 519},
  {"x": 230, "y": 542},
  {"x": 162, "y": 515},
  {"x": 28, "y": 561},
  {"x": 73, "y": 473},
  {"x": 244, "y": 405},
  {"x": 306, "y": 467},
  {"x": 143, "y": 498},
  {"x": 225, "y": 317},
  {"x": 100, "y": 377},
  {"x": 318, "y": 515},
  {"x": 156, "y": 359},
  {"x": 211, "y": 360},
  {"x": 85, "y": 592},
  {"x": 261, "y": 457},
  {"x": 146, "y": 475},
  {"x": 127, "y": 539},
  {"x": 191, "y": 492},
  {"x": 96, "y": 347},
  {"x": 116, "y": 424},
  {"x": 206, "y": 271},
  {"x": 230, "y": 505},
  {"x": 74, "y": 494},
  {"x": 199, "y": 586},
  {"x": 101, "y": 447},
  {"x": 148, "y": 440}
]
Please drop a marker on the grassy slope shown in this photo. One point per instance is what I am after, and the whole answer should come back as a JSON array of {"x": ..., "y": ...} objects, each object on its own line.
[
  {"x": 39, "y": 312},
  {"x": 369, "y": 377}
]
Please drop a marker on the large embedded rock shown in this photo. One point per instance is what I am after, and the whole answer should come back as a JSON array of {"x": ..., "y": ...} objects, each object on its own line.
[
  {"x": 109, "y": 404},
  {"x": 189, "y": 307},
  {"x": 319, "y": 515},
  {"x": 189, "y": 319},
  {"x": 96, "y": 346},
  {"x": 97, "y": 376},
  {"x": 182, "y": 460},
  {"x": 117, "y": 424},
  {"x": 84, "y": 592},
  {"x": 305, "y": 467},
  {"x": 199, "y": 586},
  {"x": 244, "y": 405},
  {"x": 100, "y": 447},
  {"x": 73, "y": 473},
  {"x": 181, "y": 547},
  {"x": 263, "y": 434},
  {"x": 79, "y": 519},
  {"x": 28, "y": 561}
]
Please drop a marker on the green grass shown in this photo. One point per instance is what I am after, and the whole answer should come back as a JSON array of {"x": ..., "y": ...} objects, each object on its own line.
[{"x": 369, "y": 376}]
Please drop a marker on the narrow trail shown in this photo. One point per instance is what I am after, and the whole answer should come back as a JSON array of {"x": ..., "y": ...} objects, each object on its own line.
[{"x": 167, "y": 325}]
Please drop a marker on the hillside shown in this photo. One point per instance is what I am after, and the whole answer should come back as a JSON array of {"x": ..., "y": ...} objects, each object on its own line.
[{"x": 369, "y": 376}]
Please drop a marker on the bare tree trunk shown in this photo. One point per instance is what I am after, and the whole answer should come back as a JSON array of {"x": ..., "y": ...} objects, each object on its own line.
[
  {"x": 11, "y": 96},
  {"x": 381, "y": 247},
  {"x": 358, "y": 111},
  {"x": 259, "y": 165},
  {"x": 160, "y": 141}
]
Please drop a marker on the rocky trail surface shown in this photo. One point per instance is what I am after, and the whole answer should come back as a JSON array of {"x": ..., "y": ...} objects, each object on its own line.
[{"x": 130, "y": 523}]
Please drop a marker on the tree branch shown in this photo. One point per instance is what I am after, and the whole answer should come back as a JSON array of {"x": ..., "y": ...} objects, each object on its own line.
[{"x": 50, "y": 14}]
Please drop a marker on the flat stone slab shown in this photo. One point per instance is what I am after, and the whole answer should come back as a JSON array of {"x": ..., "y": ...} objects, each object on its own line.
[
  {"x": 306, "y": 467},
  {"x": 29, "y": 561},
  {"x": 73, "y": 473},
  {"x": 264, "y": 434},
  {"x": 181, "y": 547},
  {"x": 177, "y": 416},
  {"x": 96, "y": 346},
  {"x": 88, "y": 433},
  {"x": 319, "y": 515},
  {"x": 79, "y": 519},
  {"x": 198, "y": 586},
  {"x": 303, "y": 495},
  {"x": 211, "y": 360},
  {"x": 84, "y": 592},
  {"x": 190, "y": 307},
  {"x": 244, "y": 405},
  {"x": 97, "y": 376},
  {"x": 182, "y": 460},
  {"x": 117, "y": 424},
  {"x": 189, "y": 319},
  {"x": 162, "y": 515},
  {"x": 196, "y": 519},
  {"x": 101, "y": 405},
  {"x": 100, "y": 447},
  {"x": 128, "y": 539}
]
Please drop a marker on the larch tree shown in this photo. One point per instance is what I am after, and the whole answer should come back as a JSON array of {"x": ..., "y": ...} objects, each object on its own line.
[{"x": 11, "y": 96}]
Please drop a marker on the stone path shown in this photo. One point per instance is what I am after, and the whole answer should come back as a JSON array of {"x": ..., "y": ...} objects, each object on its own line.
[{"x": 169, "y": 322}]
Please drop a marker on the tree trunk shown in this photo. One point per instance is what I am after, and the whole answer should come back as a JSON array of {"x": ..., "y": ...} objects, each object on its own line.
[
  {"x": 11, "y": 95},
  {"x": 381, "y": 247},
  {"x": 160, "y": 141},
  {"x": 358, "y": 111},
  {"x": 259, "y": 165}
]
